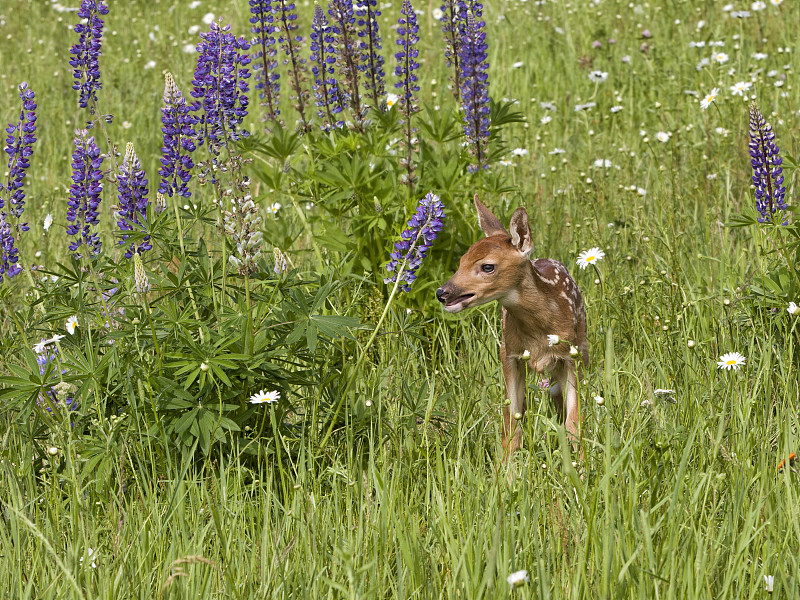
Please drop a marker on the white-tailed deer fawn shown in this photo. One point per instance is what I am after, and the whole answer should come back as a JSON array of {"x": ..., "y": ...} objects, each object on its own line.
[{"x": 539, "y": 299}]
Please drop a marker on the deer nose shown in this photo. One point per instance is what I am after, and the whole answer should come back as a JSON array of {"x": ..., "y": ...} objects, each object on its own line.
[{"x": 441, "y": 295}]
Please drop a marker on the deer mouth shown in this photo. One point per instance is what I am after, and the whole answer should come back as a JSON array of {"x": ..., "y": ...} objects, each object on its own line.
[{"x": 457, "y": 304}]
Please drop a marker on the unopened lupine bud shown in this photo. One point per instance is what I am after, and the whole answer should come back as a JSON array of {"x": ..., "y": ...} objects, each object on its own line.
[{"x": 140, "y": 275}]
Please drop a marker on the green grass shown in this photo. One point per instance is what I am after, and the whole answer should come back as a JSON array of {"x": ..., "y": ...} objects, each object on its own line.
[{"x": 673, "y": 500}]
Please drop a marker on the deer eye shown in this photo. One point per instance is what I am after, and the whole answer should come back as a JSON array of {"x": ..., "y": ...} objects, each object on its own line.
[{"x": 487, "y": 268}]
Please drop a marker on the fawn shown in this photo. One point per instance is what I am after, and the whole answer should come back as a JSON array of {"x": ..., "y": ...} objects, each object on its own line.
[{"x": 539, "y": 299}]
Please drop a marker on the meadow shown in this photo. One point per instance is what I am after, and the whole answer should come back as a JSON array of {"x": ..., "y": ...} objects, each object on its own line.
[{"x": 135, "y": 463}]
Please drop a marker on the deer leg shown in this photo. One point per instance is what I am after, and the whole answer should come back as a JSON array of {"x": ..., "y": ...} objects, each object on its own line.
[
  {"x": 565, "y": 397},
  {"x": 514, "y": 375}
]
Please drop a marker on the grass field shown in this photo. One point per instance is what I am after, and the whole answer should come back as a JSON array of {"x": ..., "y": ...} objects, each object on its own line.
[{"x": 400, "y": 492}]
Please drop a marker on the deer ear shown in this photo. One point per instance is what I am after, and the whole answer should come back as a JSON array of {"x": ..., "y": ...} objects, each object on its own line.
[
  {"x": 489, "y": 223},
  {"x": 520, "y": 227}
]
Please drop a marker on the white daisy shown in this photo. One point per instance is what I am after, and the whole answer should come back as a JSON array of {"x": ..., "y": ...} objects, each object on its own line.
[
  {"x": 518, "y": 64},
  {"x": 71, "y": 324},
  {"x": 545, "y": 119},
  {"x": 616, "y": 109},
  {"x": 39, "y": 348},
  {"x": 738, "y": 89},
  {"x": 598, "y": 76},
  {"x": 557, "y": 151},
  {"x": 194, "y": 4},
  {"x": 760, "y": 5},
  {"x": 662, "y": 136},
  {"x": 602, "y": 163},
  {"x": 262, "y": 397},
  {"x": 547, "y": 105},
  {"x": 391, "y": 100},
  {"x": 731, "y": 360},
  {"x": 48, "y": 220},
  {"x": 519, "y": 152},
  {"x": 208, "y": 18},
  {"x": 189, "y": 48},
  {"x": 719, "y": 57},
  {"x": 589, "y": 257},
  {"x": 194, "y": 29},
  {"x": 759, "y": 56},
  {"x": 150, "y": 64},
  {"x": 793, "y": 309},
  {"x": 553, "y": 339},
  {"x": 438, "y": 14},
  {"x": 517, "y": 579},
  {"x": 274, "y": 208},
  {"x": 776, "y": 2},
  {"x": 706, "y": 102}
]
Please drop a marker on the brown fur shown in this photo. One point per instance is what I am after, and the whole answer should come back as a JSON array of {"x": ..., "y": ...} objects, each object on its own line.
[{"x": 539, "y": 298}]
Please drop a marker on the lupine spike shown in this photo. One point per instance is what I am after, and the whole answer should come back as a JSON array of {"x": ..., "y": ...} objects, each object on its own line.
[
  {"x": 323, "y": 57},
  {"x": 371, "y": 60},
  {"x": 407, "y": 64},
  {"x": 242, "y": 226},
  {"x": 415, "y": 241},
  {"x": 179, "y": 141},
  {"x": 20, "y": 139},
  {"x": 768, "y": 172},
  {"x": 220, "y": 86},
  {"x": 133, "y": 202},
  {"x": 452, "y": 43},
  {"x": 86, "y": 53},
  {"x": 264, "y": 67},
  {"x": 140, "y": 281},
  {"x": 343, "y": 26},
  {"x": 84, "y": 194},
  {"x": 475, "y": 91},
  {"x": 291, "y": 43}
]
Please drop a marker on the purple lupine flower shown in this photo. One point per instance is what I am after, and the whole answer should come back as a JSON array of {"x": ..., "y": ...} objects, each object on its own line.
[
  {"x": 19, "y": 147},
  {"x": 407, "y": 31},
  {"x": 291, "y": 43},
  {"x": 220, "y": 86},
  {"x": 452, "y": 42},
  {"x": 415, "y": 241},
  {"x": 264, "y": 67},
  {"x": 86, "y": 53},
  {"x": 84, "y": 194},
  {"x": 9, "y": 255},
  {"x": 371, "y": 62},
  {"x": 59, "y": 394},
  {"x": 768, "y": 173},
  {"x": 179, "y": 135},
  {"x": 343, "y": 24},
  {"x": 323, "y": 57},
  {"x": 475, "y": 91},
  {"x": 133, "y": 202}
]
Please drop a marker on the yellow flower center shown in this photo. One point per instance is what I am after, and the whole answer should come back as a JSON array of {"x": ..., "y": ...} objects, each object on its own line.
[{"x": 731, "y": 361}]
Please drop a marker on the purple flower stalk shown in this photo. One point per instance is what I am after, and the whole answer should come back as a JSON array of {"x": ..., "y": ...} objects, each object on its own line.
[
  {"x": 323, "y": 59},
  {"x": 264, "y": 67},
  {"x": 19, "y": 147},
  {"x": 407, "y": 64},
  {"x": 343, "y": 20},
  {"x": 371, "y": 62},
  {"x": 452, "y": 42},
  {"x": 179, "y": 135},
  {"x": 291, "y": 43},
  {"x": 9, "y": 255},
  {"x": 415, "y": 241},
  {"x": 768, "y": 173},
  {"x": 220, "y": 86},
  {"x": 133, "y": 202},
  {"x": 475, "y": 91},
  {"x": 86, "y": 53},
  {"x": 84, "y": 194}
]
